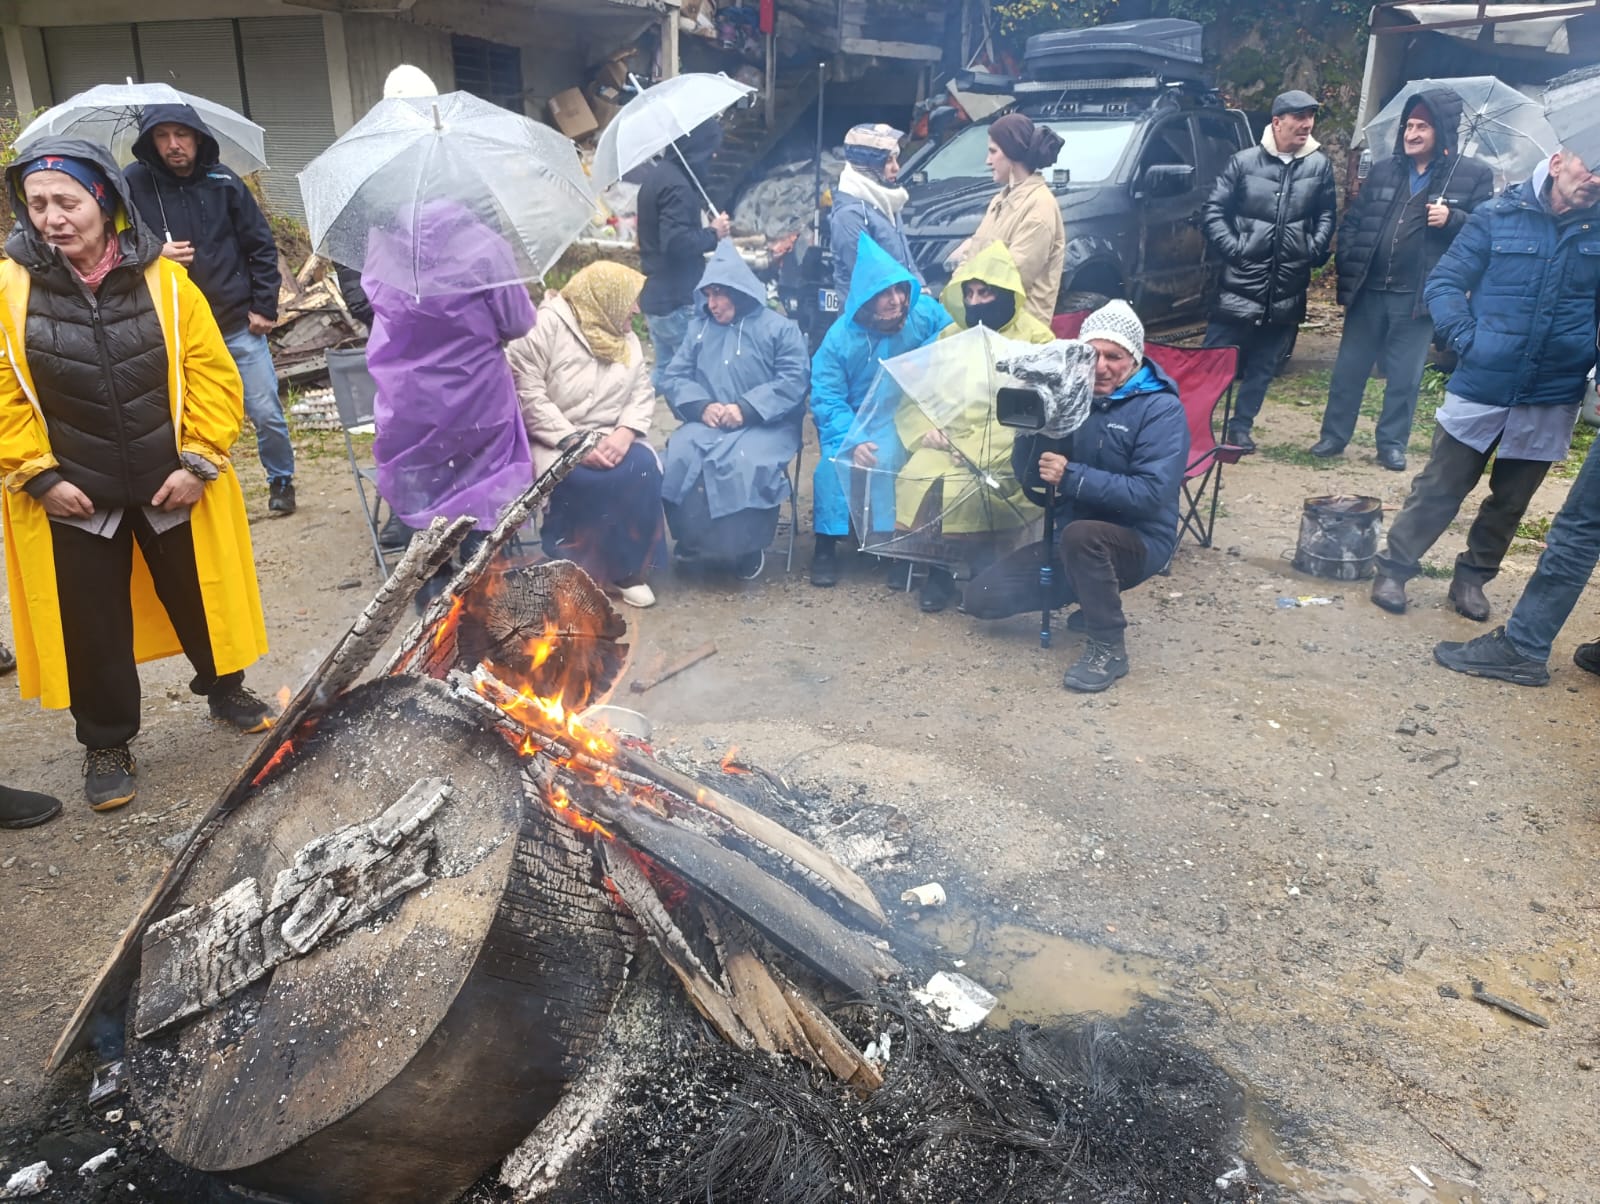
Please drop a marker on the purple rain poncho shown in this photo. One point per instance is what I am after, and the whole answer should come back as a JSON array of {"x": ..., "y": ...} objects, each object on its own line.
[{"x": 450, "y": 441}]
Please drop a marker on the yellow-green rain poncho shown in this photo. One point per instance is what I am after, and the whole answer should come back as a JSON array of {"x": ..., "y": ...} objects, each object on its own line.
[{"x": 975, "y": 432}]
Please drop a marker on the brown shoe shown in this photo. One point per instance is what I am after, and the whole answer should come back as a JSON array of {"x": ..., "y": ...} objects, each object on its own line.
[
  {"x": 1390, "y": 594},
  {"x": 1469, "y": 600}
]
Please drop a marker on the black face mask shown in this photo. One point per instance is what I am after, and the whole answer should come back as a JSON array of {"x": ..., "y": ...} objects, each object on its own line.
[{"x": 996, "y": 314}]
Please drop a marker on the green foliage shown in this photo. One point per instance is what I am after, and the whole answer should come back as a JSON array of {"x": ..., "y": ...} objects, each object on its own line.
[{"x": 10, "y": 127}]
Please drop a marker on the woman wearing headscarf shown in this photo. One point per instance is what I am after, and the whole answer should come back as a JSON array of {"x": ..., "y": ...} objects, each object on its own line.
[
  {"x": 868, "y": 201},
  {"x": 582, "y": 369},
  {"x": 1025, "y": 214},
  {"x": 738, "y": 384},
  {"x": 125, "y": 530}
]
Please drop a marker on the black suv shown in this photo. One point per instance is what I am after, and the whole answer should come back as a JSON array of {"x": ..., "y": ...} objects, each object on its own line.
[{"x": 1144, "y": 141}]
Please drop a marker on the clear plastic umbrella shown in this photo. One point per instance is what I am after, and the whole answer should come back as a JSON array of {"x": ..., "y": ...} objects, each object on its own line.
[
  {"x": 411, "y": 165},
  {"x": 1572, "y": 104},
  {"x": 940, "y": 474},
  {"x": 657, "y": 117},
  {"x": 110, "y": 114},
  {"x": 1499, "y": 125}
]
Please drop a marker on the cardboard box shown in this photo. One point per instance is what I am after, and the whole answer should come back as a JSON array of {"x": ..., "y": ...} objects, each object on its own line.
[
  {"x": 605, "y": 102},
  {"x": 572, "y": 114},
  {"x": 613, "y": 73}
]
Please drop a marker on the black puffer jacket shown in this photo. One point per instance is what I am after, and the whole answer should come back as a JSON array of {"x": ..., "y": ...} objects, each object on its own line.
[
  {"x": 1463, "y": 183},
  {"x": 99, "y": 362},
  {"x": 235, "y": 256},
  {"x": 673, "y": 239},
  {"x": 1271, "y": 223}
]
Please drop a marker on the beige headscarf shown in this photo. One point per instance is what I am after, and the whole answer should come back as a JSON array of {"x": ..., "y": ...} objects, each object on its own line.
[{"x": 602, "y": 295}]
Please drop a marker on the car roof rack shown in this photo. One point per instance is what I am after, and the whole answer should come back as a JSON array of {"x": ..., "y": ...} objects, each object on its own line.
[{"x": 1165, "y": 47}]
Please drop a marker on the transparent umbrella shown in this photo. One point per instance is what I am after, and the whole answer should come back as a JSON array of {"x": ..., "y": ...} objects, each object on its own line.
[
  {"x": 1572, "y": 103},
  {"x": 927, "y": 465},
  {"x": 1499, "y": 125},
  {"x": 657, "y": 117},
  {"x": 412, "y": 166},
  {"x": 110, "y": 114}
]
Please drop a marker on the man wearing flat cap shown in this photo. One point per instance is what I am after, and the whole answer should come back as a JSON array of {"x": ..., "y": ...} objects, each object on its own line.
[{"x": 1270, "y": 219}]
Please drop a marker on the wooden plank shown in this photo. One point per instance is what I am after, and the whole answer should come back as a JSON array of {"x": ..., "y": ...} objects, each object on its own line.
[{"x": 891, "y": 50}]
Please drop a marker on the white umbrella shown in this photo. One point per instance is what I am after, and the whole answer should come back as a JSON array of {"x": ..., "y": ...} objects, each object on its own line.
[
  {"x": 1499, "y": 125},
  {"x": 657, "y": 117},
  {"x": 416, "y": 180},
  {"x": 110, "y": 115}
]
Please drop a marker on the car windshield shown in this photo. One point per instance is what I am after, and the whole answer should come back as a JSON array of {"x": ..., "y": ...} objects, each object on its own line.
[{"x": 1090, "y": 151}]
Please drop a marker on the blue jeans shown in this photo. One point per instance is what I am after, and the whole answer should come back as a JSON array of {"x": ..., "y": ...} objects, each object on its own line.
[
  {"x": 666, "y": 336},
  {"x": 261, "y": 405},
  {"x": 1570, "y": 556},
  {"x": 1379, "y": 328}
]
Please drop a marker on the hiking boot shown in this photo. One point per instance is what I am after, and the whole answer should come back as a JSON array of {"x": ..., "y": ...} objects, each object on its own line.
[
  {"x": 748, "y": 567},
  {"x": 1392, "y": 458},
  {"x": 280, "y": 498},
  {"x": 938, "y": 591},
  {"x": 1239, "y": 436},
  {"x": 825, "y": 567},
  {"x": 108, "y": 777},
  {"x": 26, "y": 808},
  {"x": 238, "y": 707},
  {"x": 1494, "y": 656},
  {"x": 1100, "y": 665},
  {"x": 1326, "y": 448},
  {"x": 1389, "y": 593},
  {"x": 896, "y": 574},
  {"x": 8, "y": 660},
  {"x": 1469, "y": 600},
  {"x": 1587, "y": 657}
]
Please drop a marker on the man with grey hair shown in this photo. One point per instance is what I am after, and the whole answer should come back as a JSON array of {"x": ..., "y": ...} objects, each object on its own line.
[
  {"x": 1516, "y": 297},
  {"x": 1270, "y": 219}
]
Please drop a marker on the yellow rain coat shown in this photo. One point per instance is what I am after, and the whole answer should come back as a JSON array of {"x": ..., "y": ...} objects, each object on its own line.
[
  {"x": 207, "y": 401},
  {"x": 975, "y": 432}
]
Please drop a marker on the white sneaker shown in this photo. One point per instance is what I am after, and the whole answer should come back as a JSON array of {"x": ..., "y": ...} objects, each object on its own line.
[{"x": 638, "y": 595}]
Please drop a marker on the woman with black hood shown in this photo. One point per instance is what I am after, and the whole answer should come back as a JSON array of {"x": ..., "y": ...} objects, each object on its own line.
[
  {"x": 1024, "y": 214},
  {"x": 126, "y": 533},
  {"x": 674, "y": 239}
]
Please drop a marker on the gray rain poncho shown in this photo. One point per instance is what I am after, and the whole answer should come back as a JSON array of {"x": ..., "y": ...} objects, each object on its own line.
[{"x": 758, "y": 361}]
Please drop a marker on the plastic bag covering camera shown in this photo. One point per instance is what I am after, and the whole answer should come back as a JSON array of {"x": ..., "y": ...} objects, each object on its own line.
[{"x": 1063, "y": 373}]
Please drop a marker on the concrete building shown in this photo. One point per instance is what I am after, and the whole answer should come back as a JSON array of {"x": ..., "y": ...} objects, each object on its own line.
[{"x": 306, "y": 71}]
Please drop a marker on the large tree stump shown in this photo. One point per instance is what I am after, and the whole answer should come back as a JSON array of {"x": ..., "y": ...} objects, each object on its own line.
[{"x": 397, "y": 1056}]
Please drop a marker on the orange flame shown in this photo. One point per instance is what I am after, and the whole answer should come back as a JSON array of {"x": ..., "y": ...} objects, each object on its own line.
[
  {"x": 283, "y": 696},
  {"x": 276, "y": 759},
  {"x": 730, "y": 762},
  {"x": 448, "y": 623}
]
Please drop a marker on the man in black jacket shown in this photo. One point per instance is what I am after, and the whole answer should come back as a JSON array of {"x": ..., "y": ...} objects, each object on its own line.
[
  {"x": 1412, "y": 205},
  {"x": 212, "y": 225},
  {"x": 1270, "y": 219},
  {"x": 674, "y": 241}
]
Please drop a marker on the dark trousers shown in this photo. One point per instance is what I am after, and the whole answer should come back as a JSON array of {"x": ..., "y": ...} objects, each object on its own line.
[
  {"x": 1379, "y": 328},
  {"x": 1096, "y": 562},
  {"x": 1261, "y": 352},
  {"x": 92, "y": 576},
  {"x": 1436, "y": 495}
]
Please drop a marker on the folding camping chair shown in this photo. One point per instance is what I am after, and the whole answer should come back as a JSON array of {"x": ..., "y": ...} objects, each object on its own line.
[
  {"x": 792, "y": 471},
  {"x": 1205, "y": 376},
  {"x": 354, "y": 392}
]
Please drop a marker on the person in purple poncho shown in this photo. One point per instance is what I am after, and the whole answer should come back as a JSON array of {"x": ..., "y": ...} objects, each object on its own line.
[{"x": 450, "y": 441}]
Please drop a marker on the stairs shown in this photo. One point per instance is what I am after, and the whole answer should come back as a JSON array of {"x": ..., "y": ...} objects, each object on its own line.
[{"x": 746, "y": 140}]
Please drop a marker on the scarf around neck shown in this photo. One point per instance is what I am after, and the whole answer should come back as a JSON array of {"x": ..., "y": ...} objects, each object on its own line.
[
  {"x": 880, "y": 196},
  {"x": 102, "y": 268}
]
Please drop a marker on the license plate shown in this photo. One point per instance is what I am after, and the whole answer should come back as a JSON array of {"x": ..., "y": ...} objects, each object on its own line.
[{"x": 828, "y": 301}]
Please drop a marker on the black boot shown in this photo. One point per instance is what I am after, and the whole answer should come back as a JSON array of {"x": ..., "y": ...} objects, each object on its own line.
[
  {"x": 825, "y": 562},
  {"x": 108, "y": 777},
  {"x": 1102, "y": 662},
  {"x": 239, "y": 708},
  {"x": 25, "y": 808},
  {"x": 938, "y": 591},
  {"x": 280, "y": 498},
  {"x": 8, "y": 660}
]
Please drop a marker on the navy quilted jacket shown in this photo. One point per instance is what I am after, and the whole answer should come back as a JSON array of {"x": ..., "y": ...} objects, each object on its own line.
[{"x": 1517, "y": 296}]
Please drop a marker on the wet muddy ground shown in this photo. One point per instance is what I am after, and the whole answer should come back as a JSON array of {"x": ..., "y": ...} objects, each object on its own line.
[{"x": 1288, "y": 824}]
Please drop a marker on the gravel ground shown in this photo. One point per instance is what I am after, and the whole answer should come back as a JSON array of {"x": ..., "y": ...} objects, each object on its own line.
[{"x": 1310, "y": 837}]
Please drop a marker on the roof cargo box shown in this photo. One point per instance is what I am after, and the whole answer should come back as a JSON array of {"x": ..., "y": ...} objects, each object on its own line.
[{"x": 1166, "y": 47}]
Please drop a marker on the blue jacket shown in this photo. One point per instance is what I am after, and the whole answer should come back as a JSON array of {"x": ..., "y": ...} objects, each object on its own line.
[
  {"x": 235, "y": 256},
  {"x": 1517, "y": 296},
  {"x": 846, "y": 365},
  {"x": 852, "y": 217},
  {"x": 1125, "y": 464}
]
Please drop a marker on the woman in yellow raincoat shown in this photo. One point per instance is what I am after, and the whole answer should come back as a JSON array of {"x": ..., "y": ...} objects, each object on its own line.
[
  {"x": 125, "y": 532},
  {"x": 934, "y": 486}
]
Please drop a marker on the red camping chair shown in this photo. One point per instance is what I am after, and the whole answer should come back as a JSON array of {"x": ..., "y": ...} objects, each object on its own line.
[{"x": 1205, "y": 377}]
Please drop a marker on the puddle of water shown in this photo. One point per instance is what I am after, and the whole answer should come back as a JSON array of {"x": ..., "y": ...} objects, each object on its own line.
[{"x": 1038, "y": 977}]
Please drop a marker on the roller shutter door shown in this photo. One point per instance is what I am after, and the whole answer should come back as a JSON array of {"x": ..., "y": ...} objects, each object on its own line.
[
  {"x": 81, "y": 56},
  {"x": 286, "y": 81},
  {"x": 198, "y": 57}
]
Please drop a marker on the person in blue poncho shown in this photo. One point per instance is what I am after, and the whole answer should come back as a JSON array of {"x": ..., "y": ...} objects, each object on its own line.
[
  {"x": 1115, "y": 484},
  {"x": 885, "y": 314},
  {"x": 738, "y": 385}
]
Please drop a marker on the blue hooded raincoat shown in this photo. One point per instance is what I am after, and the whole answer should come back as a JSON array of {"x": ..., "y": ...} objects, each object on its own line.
[
  {"x": 758, "y": 362},
  {"x": 845, "y": 367}
]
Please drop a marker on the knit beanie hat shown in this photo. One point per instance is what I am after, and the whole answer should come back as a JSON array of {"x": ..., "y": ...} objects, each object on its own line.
[
  {"x": 94, "y": 181},
  {"x": 869, "y": 146},
  {"x": 1116, "y": 323}
]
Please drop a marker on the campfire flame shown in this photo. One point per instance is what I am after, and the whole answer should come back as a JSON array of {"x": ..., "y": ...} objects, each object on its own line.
[{"x": 730, "y": 761}]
